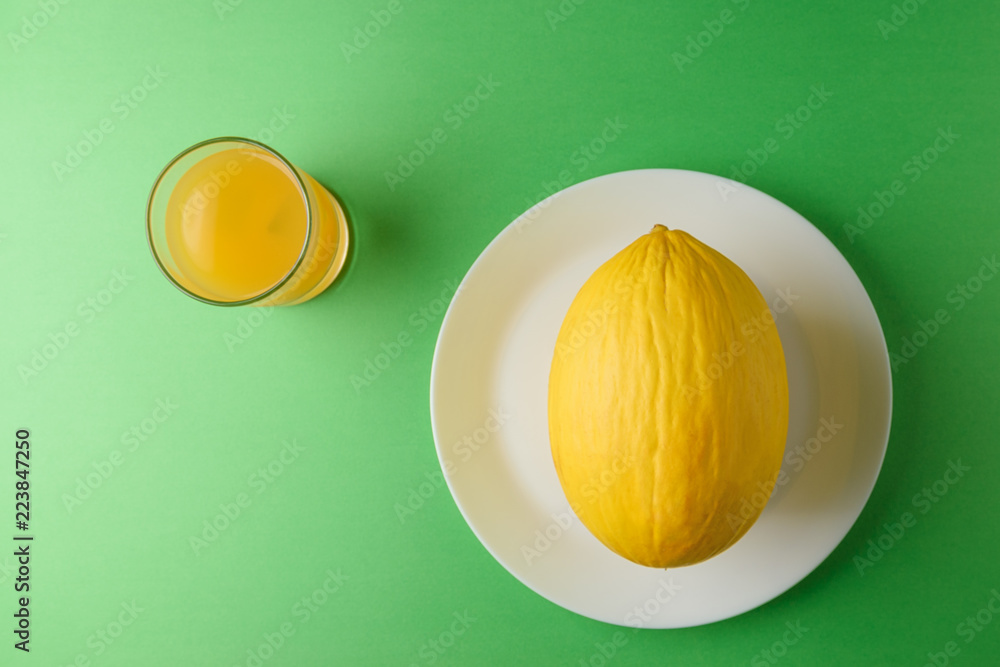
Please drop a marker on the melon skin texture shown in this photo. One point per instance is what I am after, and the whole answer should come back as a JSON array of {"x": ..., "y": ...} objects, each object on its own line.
[{"x": 668, "y": 402}]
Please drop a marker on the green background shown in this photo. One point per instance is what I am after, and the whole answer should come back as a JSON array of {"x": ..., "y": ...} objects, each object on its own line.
[{"x": 346, "y": 117}]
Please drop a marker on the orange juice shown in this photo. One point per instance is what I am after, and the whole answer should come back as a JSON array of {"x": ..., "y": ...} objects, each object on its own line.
[{"x": 238, "y": 224}]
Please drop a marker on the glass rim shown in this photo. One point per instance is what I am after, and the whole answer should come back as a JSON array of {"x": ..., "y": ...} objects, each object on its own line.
[{"x": 305, "y": 200}]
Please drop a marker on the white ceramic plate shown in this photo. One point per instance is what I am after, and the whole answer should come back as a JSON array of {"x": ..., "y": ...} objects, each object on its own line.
[{"x": 489, "y": 395}]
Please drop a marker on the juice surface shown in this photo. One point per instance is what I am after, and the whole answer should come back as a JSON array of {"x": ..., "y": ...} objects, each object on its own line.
[{"x": 235, "y": 224}]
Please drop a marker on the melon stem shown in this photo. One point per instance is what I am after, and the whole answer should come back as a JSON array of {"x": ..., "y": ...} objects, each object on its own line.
[{"x": 659, "y": 228}]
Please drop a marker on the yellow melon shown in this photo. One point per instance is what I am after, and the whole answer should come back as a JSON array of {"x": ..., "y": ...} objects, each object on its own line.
[{"x": 668, "y": 401}]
